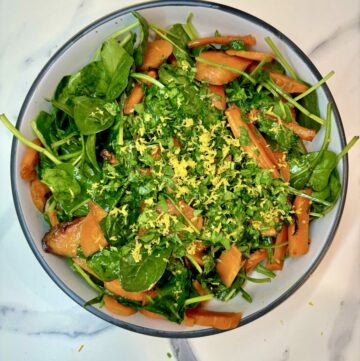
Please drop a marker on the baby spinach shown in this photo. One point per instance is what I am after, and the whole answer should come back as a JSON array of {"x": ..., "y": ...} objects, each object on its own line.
[
  {"x": 105, "y": 263},
  {"x": 143, "y": 39},
  {"x": 140, "y": 275},
  {"x": 43, "y": 128},
  {"x": 91, "y": 115},
  {"x": 61, "y": 180},
  {"x": 90, "y": 149},
  {"x": 310, "y": 102},
  {"x": 319, "y": 178}
]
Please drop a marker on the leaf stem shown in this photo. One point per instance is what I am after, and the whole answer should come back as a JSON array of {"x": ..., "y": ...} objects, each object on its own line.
[
  {"x": 347, "y": 147},
  {"x": 197, "y": 299},
  {"x": 270, "y": 84},
  {"x": 159, "y": 32},
  {"x": 314, "y": 87},
  {"x": 304, "y": 195},
  {"x": 148, "y": 78},
  {"x": 277, "y": 52},
  {"x": 195, "y": 264},
  {"x": 26, "y": 141},
  {"x": 86, "y": 277}
]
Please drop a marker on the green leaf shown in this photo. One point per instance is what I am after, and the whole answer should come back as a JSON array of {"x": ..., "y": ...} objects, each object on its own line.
[
  {"x": 105, "y": 263},
  {"x": 321, "y": 174},
  {"x": 42, "y": 127},
  {"x": 142, "y": 275},
  {"x": 62, "y": 182},
  {"x": 91, "y": 116},
  {"x": 90, "y": 150},
  {"x": 310, "y": 102},
  {"x": 143, "y": 41}
]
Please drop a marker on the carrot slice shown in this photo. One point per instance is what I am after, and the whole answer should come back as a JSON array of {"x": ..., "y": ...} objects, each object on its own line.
[
  {"x": 287, "y": 84},
  {"x": 135, "y": 97},
  {"x": 219, "y": 320},
  {"x": 151, "y": 314},
  {"x": 156, "y": 53},
  {"x": 251, "y": 55},
  {"x": 64, "y": 239},
  {"x": 298, "y": 231},
  {"x": 223, "y": 40},
  {"x": 92, "y": 237},
  {"x": 219, "y": 100},
  {"x": 115, "y": 307},
  {"x": 254, "y": 259},
  {"x": 279, "y": 252},
  {"x": 269, "y": 232},
  {"x": 215, "y": 75},
  {"x": 39, "y": 192},
  {"x": 301, "y": 132},
  {"x": 256, "y": 149},
  {"x": 53, "y": 218},
  {"x": 229, "y": 265},
  {"x": 115, "y": 287},
  {"x": 29, "y": 163},
  {"x": 282, "y": 165}
]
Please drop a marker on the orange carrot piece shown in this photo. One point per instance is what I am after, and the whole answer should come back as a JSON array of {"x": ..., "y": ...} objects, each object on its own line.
[
  {"x": 64, "y": 239},
  {"x": 219, "y": 320},
  {"x": 223, "y": 40},
  {"x": 251, "y": 55},
  {"x": 219, "y": 100},
  {"x": 282, "y": 165},
  {"x": 229, "y": 265},
  {"x": 156, "y": 53},
  {"x": 151, "y": 314},
  {"x": 215, "y": 75},
  {"x": 29, "y": 163},
  {"x": 39, "y": 192},
  {"x": 269, "y": 232},
  {"x": 279, "y": 252},
  {"x": 298, "y": 231},
  {"x": 287, "y": 84},
  {"x": 117, "y": 308},
  {"x": 53, "y": 218},
  {"x": 114, "y": 286},
  {"x": 256, "y": 149},
  {"x": 254, "y": 259},
  {"x": 301, "y": 132},
  {"x": 188, "y": 321},
  {"x": 92, "y": 237},
  {"x": 135, "y": 97}
]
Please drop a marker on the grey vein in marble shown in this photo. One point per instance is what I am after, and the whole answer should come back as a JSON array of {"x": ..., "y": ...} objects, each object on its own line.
[
  {"x": 68, "y": 323},
  {"x": 334, "y": 36},
  {"x": 182, "y": 350}
]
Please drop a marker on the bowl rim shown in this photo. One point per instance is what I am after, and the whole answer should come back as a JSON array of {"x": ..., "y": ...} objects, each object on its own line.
[{"x": 71, "y": 42}]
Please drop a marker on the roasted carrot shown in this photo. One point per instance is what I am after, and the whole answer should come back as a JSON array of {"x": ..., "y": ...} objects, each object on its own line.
[
  {"x": 254, "y": 259},
  {"x": 287, "y": 84},
  {"x": 269, "y": 232},
  {"x": 282, "y": 165},
  {"x": 115, "y": 287},
  {"x": 229, "y": 265},
  {"x": 53, "y": 218},
  {"x": 64, "y": 239},
  {"x": 39, "y": 192},
  {"x": 298, "y": 231},
  {"x": 92, "y": 237},
  {"x": 279, "y": 252},
  {"x": 301, "y": 132},
  {"x": 215, "y": 75},
  {"x": 115, "y": 307},
  {"x": 223, "y": 40},
  {"x": 219, "y": 320},
  {"x": 219, "y": 99},
  {"x": 156, "y": 53},
  {"x": 137, "y": 94},
  {"x": 29, "y": 163},
  {"x": 256, "y": 149},
  {"x": 251, "y": 55}
]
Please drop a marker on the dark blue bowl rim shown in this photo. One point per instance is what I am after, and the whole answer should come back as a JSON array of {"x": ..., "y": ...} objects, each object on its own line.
[{"x": 62, "y": 285}]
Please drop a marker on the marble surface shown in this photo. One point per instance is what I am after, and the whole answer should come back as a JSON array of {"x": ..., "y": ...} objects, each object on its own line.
[{"x": 320, "y": 321}]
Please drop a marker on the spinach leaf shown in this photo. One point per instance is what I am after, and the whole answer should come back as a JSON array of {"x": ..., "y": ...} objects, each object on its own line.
[
  {"x": 143, "y": 41},
  {"x": 105, "y": 263},
  {"x": 90, "y": 150},
  {"x": 62, "y": 182},
  {"x": 179, "y": 36},
  {"x": 43, "y": 128},
  {"x": 91, "y": 115},
  {"x": 310, "y": 102},
  {"x": 234, "y": 45},
  {"x": 140, "y": 276},
  {"x": 172, "y": 291},
  {"x": 276, "y": 67},
  {"x": 321, "y": 174}
]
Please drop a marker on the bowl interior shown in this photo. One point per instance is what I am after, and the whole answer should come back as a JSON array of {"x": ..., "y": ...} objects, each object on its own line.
[{"x": 78, "y": 52}]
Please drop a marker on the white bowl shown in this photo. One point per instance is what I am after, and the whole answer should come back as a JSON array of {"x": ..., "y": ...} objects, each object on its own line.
[{"x": 76, "y": 53}]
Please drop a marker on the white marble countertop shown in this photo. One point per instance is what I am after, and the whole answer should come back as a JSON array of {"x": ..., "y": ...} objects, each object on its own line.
[{"x": 319, "y": 322}]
